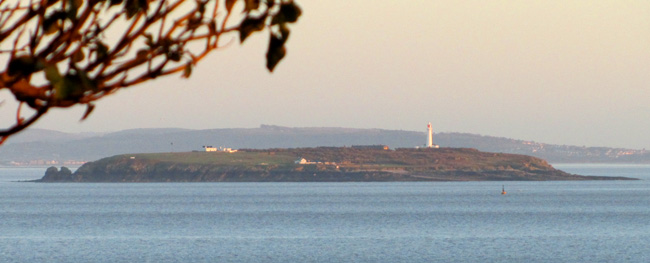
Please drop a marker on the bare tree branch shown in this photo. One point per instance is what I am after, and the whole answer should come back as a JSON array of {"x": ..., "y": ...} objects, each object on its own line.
[{"x": 65, "y": 41}]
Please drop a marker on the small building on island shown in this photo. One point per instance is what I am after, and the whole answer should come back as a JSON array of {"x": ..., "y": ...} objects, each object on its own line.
[
  {"x": 209, "y": 148},
  {"x": 220, "y": 149}
]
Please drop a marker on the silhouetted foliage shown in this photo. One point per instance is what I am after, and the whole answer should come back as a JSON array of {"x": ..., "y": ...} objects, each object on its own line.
[{"x": 61, "y": 53}]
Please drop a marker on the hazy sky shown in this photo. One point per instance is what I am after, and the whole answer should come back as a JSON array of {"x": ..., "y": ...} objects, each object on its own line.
[{"x": 563, "y": 72}]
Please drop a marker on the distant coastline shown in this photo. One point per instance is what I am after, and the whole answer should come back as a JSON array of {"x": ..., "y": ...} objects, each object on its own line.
[
  {"x": 321, "y": 164},
  {"x": 52, "y": 148}
]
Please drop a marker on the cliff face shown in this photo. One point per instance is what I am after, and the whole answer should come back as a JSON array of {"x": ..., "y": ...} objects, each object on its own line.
[{"x": 330, "y": 164}]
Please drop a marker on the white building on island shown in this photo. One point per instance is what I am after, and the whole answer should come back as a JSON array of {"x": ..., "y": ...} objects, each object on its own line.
[
  {"x": 220, "y": 149},
  {"x": 430, "y": 138},
  {"x": 210, "y": 149}
]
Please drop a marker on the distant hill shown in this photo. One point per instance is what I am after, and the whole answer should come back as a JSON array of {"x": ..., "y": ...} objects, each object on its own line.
[
  {"x": 38, "y": 135},
  {"x": 40, "y": 146}
]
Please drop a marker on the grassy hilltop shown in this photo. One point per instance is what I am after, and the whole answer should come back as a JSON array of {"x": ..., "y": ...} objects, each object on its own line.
[{"x": 320, "y": 164}]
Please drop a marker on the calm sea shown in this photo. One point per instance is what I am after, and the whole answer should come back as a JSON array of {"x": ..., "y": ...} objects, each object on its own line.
[{"x": 593, "y": 221}]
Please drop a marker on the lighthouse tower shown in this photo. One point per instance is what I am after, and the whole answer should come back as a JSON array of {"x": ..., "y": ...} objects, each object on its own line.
[{"x": 430, "y": 137}]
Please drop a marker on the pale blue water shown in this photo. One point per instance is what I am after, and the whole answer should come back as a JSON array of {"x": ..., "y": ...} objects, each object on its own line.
[{"x": 594, "y": 221}]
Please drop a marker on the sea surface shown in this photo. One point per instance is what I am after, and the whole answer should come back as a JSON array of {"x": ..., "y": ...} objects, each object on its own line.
[{"x": 562, "y": 221}]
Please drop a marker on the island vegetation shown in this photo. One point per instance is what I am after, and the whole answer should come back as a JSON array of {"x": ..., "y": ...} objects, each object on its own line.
[{"x": 321, "y": 164}]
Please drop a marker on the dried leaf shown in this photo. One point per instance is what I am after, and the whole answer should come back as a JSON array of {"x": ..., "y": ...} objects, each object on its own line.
[
  {"x": 102, "y": 50},
  {"x": 252, "y": 5},
  {"x": 142, "y": 53},
  {"x": 188, "y": 70},
  {"x": 78, "y": 56},
  {"x": 89, "y": 108},
  {"x": 23, "y": 65},
  {"x": 116, "y": 2},
  {"x": 275, "y": 53},
  {"x": 250, "y": 25},
  {"x": 289, "y": 13}
]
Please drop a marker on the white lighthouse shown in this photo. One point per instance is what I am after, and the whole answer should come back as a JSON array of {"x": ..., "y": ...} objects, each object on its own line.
[{"x": 430, "y": 137}]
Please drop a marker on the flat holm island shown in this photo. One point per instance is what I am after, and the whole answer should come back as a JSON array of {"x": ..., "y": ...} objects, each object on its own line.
[{"x": 321, "y": 164}]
